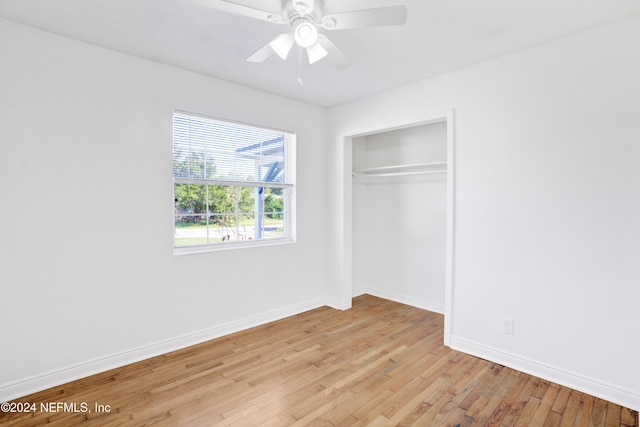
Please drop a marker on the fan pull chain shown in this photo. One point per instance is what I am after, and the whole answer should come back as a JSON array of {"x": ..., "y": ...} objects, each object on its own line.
[{"x": 299, "y": 79}]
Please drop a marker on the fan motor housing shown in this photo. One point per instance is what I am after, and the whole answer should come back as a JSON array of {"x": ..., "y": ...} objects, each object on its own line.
[{"x": 291, "y": 13}]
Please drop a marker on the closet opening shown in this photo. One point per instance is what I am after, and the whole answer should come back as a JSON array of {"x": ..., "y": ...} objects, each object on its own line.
[{"x": 399, "y": 197}]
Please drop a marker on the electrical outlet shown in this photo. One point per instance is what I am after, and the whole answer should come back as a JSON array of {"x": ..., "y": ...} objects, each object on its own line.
[{"x": 507, "y": 326}]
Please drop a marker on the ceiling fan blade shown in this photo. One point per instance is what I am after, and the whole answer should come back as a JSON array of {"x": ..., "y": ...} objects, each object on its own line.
[
  {"x": 263, "y": 53},
  {"x": 392, "y": 15},
  {"x": 281, "y": 45},
  {"x": 237, "y": 9},
  {"x": 335, "y": 55}
]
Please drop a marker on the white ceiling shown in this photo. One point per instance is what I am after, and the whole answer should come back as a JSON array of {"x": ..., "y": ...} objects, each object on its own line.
[{"x": 440, "y": 36}]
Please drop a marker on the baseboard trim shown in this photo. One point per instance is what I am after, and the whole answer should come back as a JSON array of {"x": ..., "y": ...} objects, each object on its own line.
[
  {"x": 358, "y": 292},
  {"x": 585, "y": 384},
  {"x": 333, "y": 303},
  {"x": 408, "y": 300},
  {"x": 15, "y": 390}
]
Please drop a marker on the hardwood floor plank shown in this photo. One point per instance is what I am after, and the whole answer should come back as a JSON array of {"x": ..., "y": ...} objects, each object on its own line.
[
  {"x": 571, "y": 410},
  {"x": 560, "y": 403},
  {"x": 613, "y": 415},
  {"x": 484, "y": 412},
  {"x": 406, "y": 400},
  {"x": 439, "y": 411},
  {"x": 598, "y": 413},
  {"x": 583, "y": 417},
  {"x": 481, "y": 394},
  {"x": 436, "y": 411},
  {"x": 548, "y": 399},
  {"x": 520, "y": 403},
  {"x": 628, "y": 417},
  {"x": 380, "y": 363},
  {"x": 332, "y": 404},
  {"x": 530, "y": 408},
  {"x": 553, "y": 420},
  {"x": 503, "y": 406}
]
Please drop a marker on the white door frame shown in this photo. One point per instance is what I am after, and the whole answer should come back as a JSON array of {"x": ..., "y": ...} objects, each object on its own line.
[{"x": 346, "y": 282}]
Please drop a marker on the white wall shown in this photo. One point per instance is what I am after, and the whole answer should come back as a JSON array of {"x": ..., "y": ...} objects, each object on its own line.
[
  {"x": 89, "y": 279},
  {"x": 547, "y": 204},
  {"x": 399, "y": 222}
]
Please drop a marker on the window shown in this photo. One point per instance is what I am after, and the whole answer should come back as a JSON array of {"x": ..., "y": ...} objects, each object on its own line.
[{"x": 233, "y": 184}]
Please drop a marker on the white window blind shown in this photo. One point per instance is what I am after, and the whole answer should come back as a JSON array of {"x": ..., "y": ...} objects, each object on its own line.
[{"x": 205, "y": 148}]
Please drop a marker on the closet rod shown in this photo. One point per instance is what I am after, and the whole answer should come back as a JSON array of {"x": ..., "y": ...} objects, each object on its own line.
[
  {"x": 360, "y": 174},
  {"x": 400, "y": 167}
]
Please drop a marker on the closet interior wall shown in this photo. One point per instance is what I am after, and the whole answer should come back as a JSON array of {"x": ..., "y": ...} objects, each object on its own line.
[{"x": 399, "y": 215}]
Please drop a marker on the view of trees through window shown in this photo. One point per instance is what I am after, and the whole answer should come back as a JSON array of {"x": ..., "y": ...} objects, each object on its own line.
[
  {"x": 229, "y": 182},
  {"x": 207, "y": 213}
]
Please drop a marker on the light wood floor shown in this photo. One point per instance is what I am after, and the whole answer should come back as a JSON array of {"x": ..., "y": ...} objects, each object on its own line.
[{"x": 378, "y": 364}]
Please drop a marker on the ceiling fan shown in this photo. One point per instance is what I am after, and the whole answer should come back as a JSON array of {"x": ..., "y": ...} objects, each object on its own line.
[{"x": 305, "y": 17}]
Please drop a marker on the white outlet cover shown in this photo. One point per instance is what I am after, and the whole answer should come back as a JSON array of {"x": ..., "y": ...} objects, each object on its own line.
[{"x": 507, "y": 326}]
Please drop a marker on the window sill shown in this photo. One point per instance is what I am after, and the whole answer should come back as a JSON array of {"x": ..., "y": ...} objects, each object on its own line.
[{"x": 200, "y": 249}]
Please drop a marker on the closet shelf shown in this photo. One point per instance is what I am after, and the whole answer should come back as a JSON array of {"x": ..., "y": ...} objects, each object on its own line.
[{"x": 400, "y": 170}]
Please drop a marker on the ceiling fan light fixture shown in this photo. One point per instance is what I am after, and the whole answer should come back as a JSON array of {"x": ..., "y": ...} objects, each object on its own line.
[
  {"x": 282, "y": 45},
  {"x": 306, "y": 34},
  {"x": 316, "y": 53}
]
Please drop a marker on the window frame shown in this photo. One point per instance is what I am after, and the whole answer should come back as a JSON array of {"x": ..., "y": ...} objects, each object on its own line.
[{"x": 287, "y": 185}]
